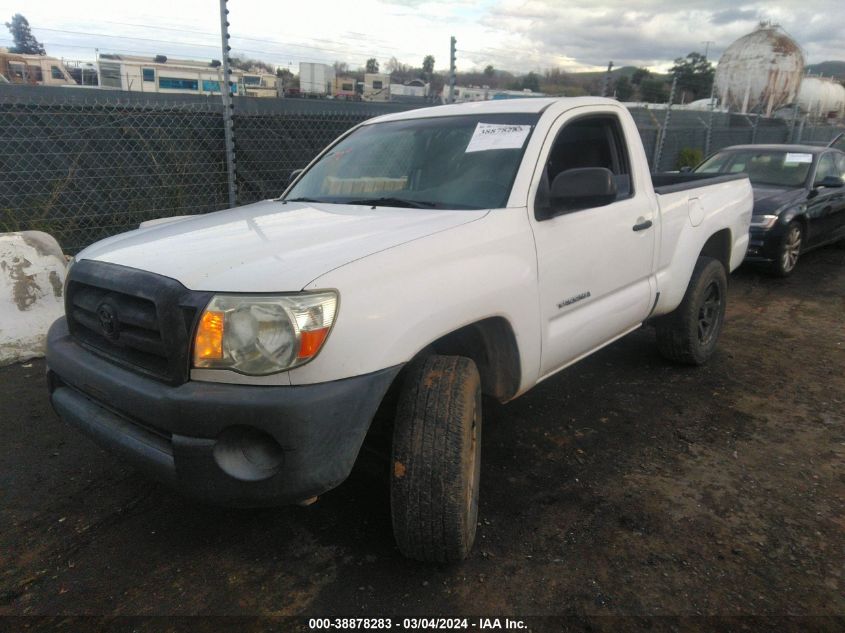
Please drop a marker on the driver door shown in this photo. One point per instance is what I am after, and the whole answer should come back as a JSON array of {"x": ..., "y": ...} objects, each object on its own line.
[{"x": 595, "y": 265}]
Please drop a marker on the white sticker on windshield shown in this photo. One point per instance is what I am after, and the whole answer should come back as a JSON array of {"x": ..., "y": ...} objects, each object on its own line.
[
  {"x": 793, "y": 158},
  {"x": 489, "y": 136}
]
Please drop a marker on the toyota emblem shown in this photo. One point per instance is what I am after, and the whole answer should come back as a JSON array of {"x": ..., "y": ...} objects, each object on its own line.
[{"x": 109, "y": 324}]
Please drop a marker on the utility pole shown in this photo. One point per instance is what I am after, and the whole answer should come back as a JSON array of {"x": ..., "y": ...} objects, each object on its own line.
[
  {"x": 228, "y": 106},
  {"x": 452, "y": 71},
  {"x": 605, "y": 89}
]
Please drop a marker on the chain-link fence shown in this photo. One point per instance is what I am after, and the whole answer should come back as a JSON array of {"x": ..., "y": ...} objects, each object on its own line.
[{"x": 85, "y": 164}]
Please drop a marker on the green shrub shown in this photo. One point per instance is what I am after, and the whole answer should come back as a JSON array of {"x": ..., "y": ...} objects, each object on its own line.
[{"x": 689, "y": 157}]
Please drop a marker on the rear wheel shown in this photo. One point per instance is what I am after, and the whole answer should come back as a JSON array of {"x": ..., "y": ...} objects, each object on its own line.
[
  {"x": 789, "y": 251},
  {"x": 690, "y": 333},
  {"x": 436, "y": 461}
]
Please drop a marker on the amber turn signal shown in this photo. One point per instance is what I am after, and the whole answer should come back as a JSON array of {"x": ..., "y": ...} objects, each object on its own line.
[{"x": 208, "y": 343}]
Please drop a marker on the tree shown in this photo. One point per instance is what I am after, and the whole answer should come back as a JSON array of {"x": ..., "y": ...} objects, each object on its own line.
[
  {"x": 428, "y": 65},
  {"x": 341, "y": 68},
  {"x": 695, "y": 75},
  {"x": 654, "y": 90},
  {"x": 623, "y": 89},
  {"x": 25, "y": 42},
  {"x": 531, "y": 82},
  {"x": 639, "y": 75},
  {"x": 372, "y": 65},
  {"x": 489, "y": 71}
]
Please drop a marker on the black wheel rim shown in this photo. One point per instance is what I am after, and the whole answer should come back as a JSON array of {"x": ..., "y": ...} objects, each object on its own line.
[{"x": 709, "y": 314}]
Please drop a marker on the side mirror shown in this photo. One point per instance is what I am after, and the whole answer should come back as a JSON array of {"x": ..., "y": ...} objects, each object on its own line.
[
  {"x": 831, "y": 181},
  {"x": 686, "y": 169},
  {"x": 294, "y": 175},
  {"x": 582, "y": 188}
]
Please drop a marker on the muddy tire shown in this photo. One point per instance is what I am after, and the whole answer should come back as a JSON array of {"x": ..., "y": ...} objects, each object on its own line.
[
  {"x": 690, "y": 333},
  {"x": 436, "y": 459},
  {"x": 788, "y": 251}
]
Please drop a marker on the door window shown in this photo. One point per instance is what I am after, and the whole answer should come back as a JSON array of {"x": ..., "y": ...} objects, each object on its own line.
[
  {"x": 593, "y": 141},
  {"x": 826, "y": 168}
]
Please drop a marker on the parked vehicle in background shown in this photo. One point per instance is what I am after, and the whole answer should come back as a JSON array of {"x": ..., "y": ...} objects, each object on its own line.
[
  {"x": 33, "y": 70},
  {"x": 799, "y": 198},
  {"x": 436, "y": 254}
]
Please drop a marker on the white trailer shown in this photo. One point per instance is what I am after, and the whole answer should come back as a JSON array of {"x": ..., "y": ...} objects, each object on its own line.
[{"x": 315, "y": 79}]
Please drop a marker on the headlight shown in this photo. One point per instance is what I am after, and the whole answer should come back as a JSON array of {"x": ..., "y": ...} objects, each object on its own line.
[
  {"x": 260, "y": 335},
  {"x": 763, "y": 221}
]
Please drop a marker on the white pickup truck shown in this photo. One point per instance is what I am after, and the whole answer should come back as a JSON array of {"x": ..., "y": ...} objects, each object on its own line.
[{"x": 436, "y": 255}]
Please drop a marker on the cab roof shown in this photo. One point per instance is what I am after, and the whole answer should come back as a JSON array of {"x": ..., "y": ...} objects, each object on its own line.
[{"x": 526, "y": 105}]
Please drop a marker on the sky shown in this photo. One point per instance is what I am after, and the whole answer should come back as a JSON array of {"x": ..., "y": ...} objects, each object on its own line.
[{"x": 514, "y": 35}]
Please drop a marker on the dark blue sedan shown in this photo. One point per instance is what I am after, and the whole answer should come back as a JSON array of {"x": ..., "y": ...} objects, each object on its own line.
[{"x": 799, "y": 198}]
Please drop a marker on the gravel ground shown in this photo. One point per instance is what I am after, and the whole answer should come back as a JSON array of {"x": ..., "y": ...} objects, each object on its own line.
[{"x": 623, "y": 486}]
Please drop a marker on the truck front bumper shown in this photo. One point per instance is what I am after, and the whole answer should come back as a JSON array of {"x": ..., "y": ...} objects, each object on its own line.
[{"x": 239, "y": 445}]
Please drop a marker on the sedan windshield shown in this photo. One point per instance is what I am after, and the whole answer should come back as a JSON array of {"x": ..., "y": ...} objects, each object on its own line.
[
  {"x": 459, "y": 162},
  {"x": 779, "y": 168}
]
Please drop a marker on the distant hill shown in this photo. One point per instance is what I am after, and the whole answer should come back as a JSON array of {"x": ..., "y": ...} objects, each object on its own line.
[{"x": 828, "y": 69}]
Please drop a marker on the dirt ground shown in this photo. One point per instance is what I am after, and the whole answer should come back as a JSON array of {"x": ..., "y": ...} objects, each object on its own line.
[{"x": 623, "y": 486}]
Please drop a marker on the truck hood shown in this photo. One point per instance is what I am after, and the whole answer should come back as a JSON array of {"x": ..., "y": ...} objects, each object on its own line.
[{"x": 269, "y": 246}]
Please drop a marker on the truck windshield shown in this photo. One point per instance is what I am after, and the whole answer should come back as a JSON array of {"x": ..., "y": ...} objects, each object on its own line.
[
  {"x": 455, "y": 162},
  {"x": 764, "y": 167}
]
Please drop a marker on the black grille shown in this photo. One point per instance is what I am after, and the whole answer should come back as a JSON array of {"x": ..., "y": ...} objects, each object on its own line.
[{"x": 138, "y": 319}]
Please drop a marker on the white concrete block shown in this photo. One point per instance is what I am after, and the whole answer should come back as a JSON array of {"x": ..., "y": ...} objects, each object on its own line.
[{"x": 32, "y": 276}]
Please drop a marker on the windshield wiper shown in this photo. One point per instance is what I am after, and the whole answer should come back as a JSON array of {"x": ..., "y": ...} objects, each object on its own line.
[
  {"x": 302, "y": 200},
  {"x": 387, "y": 201}
]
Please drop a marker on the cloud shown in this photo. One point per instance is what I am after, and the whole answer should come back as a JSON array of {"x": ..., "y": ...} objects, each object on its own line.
[
  {"x": 734, "y": 15},
  {"x": 515, "y": 35},
  {"x": 575, "y": 35}
]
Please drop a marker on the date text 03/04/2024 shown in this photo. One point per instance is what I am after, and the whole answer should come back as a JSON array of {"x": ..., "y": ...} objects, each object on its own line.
[{"x": 413, "y": 624}]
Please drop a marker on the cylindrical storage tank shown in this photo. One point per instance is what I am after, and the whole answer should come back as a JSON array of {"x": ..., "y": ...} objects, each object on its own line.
[
  {"x": 760, "y": 72},
  {"x": 821, "y": 97}
]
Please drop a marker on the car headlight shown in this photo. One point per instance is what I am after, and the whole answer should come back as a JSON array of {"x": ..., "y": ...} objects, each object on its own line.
[
  {"x": 263, "y": 334},
  {"x": 763, "y": 221}
]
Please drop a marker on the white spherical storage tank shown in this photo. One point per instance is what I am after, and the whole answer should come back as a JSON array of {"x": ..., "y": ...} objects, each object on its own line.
[
  {"x": 822, "y": 97},
  {"x": 760, "y": 72}
]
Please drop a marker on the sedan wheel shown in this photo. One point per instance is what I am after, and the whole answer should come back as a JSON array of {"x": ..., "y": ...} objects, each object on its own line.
[{"x": 790, "y": 250}]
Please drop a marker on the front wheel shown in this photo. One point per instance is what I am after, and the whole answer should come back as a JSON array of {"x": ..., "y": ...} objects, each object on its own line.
[
  {"x": 789, "y": 251},
  {"x": 690, "y": 333},
  {"x": 436, "y": 461}
]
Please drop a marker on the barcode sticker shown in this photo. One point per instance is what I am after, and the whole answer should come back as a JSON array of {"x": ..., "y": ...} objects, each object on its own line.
[
  {"x": 489, "y": 136},
  {"x": 792, "y": 158}
]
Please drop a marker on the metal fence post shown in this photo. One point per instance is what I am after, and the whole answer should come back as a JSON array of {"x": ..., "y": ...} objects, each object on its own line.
[
  {"x": 228, "y": 106},
  {"x": 658, "y": 152},
  {"x": 754, "y": 129},
  {"x": 801, "y": 128},
  {"x": 708, "y": 137},
  {"x": 792, "y": 123}
]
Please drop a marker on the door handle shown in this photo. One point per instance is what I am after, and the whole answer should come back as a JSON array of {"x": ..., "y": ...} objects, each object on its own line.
[{"x": 642, "y": 226}]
